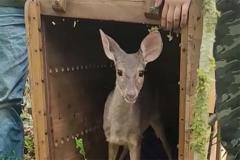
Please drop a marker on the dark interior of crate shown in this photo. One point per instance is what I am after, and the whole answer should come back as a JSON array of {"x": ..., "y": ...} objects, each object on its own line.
[{"x": 79, "y": 78}]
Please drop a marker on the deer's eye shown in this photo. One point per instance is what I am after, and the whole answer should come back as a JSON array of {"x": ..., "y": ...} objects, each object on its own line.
[
  {"x": 119, "y": 72},
  {"x": 141, "y": 73}
]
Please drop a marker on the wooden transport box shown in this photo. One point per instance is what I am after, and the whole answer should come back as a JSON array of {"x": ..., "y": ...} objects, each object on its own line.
[{"x": 71, "y": 77}]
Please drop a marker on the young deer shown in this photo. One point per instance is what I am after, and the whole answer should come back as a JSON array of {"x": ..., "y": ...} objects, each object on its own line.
[{"x": 132, "y": 107}]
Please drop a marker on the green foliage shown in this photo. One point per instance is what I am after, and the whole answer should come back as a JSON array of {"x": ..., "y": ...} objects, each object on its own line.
[
  {"x": 153, "y": 29},
  {"x": 199, "y": 125},
  {"x": 28, "y": 146},
  {"x": 79, "y": 145},
  {"x": 26, "y": 117}
]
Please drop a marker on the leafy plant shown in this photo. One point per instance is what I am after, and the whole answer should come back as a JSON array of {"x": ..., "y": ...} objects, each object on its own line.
[
  {"x": 80, "y": 146},
  {"x": 28, "y": 146},
  {"x": 26, "y": 117}
]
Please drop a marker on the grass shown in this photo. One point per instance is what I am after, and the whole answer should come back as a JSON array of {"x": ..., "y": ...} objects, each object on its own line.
[{"x": 28, "y": 125}]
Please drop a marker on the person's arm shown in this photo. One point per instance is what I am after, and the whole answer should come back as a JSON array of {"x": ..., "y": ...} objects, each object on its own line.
[{"x": 174, "y": 13}]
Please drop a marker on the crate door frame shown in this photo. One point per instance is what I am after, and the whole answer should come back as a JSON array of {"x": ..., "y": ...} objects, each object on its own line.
[
  {"x": 37, "y": 80},
  {"x": 190, "y": 51},
  {"x": 191, "y": 37}
]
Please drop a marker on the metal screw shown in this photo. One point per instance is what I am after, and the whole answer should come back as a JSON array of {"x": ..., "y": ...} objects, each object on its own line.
[
  {"x": 82, "y": 133},
  {"x": 53, "y": 23}
]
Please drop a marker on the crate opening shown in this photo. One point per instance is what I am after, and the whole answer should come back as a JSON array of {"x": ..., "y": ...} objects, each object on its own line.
[{"x": 79, "y": 77}]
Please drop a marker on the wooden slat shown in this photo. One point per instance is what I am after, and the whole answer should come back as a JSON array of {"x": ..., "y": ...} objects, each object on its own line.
[
  {"x": 190, "y": 52},
  {"x": 214, "y": 144},
  {"x": 212, "y": 98},
  {"x": 218, "y": 147},
  {"x": 194, "y": 37},
  {"x": 33, "y": 28},
  {"x": 182, "y": 100},
  {"x": 117, "y": 10}
]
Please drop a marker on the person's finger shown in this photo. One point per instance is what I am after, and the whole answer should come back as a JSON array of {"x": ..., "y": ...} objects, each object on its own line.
[
  {"x": 164, "y": 16},
  {"x": 184, "y": 15},
  {"x": 157, "y": 3},
  {"x": 170, "y": 17},
  {"x": 176, "y": 17}
]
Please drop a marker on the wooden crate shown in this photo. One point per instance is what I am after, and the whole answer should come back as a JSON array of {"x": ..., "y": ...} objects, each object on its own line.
[{"x": 63, "y": 83}]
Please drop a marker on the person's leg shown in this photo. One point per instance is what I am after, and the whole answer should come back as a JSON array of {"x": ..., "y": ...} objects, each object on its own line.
[
  {"x": 13, "y": 68},
  {"x": 227, "y": 55},
  {"x": 11, "y": 135}
]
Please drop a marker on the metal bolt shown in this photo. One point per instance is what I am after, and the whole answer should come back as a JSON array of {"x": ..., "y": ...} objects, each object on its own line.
[
  {"x": 74, "y": 24},
  {"x": 56, "y": 144},
  {"x": 53, "y": 23},
  {"x": 62, "y": 141},
  {"x": 82, "y": 133}
]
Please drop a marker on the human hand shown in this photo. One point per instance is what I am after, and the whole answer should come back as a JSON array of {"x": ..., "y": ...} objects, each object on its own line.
[{"x": 174, "y": 13}]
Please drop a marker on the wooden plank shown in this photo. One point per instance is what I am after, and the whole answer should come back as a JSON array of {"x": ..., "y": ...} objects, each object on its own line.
[
  {"x": 212, "y": 98},
  {"x": 194, "y": 37},
  {"x": 218, "y": 147},
  {"x": 190, "y": 52},
  {"x": 118, "y": 10},
  {"x": 182, "y": 99},
  {"x": 213, "y": 143},
  {"x": 33, "y": 30}
]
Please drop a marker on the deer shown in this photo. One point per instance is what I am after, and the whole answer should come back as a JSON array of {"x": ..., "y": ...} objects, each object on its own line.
[{"x": 132, "y": 106}]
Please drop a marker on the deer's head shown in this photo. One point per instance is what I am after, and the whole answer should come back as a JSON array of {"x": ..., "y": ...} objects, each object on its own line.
[{"x": 130, "y": 67}]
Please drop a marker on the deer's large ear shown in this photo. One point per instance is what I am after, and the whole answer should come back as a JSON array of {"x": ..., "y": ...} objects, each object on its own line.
[
  {"x": 151, "y": 46},
  {"x": 109, "y": 45}
]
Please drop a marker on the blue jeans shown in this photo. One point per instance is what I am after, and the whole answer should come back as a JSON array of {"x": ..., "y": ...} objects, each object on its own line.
[{"x": 13, "y": 69}]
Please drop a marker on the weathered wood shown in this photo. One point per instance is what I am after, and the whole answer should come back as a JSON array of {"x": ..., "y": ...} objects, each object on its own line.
[
  {"x": 212, "y": 98},
  {"x": 218, "y": 147},
  {"x": 59, "y": 5},
  {"x": 214, "y": 144},
  {"x": 182, "y": 99},
  {"x": 33, "y": 28},
  {"x": 190, "y": 53},
  {"x": 119, "y": 10},
  {"x": 152, "y": 12}
]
